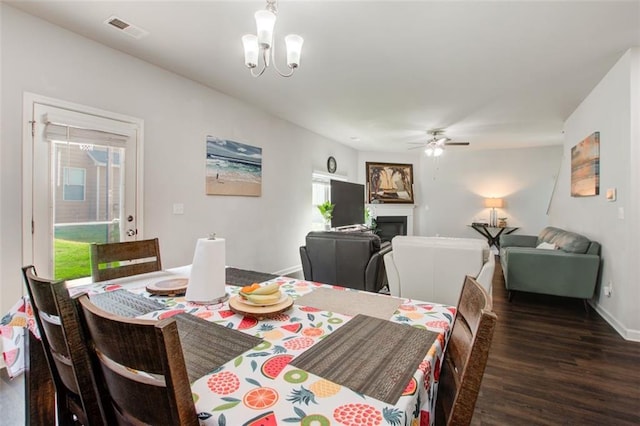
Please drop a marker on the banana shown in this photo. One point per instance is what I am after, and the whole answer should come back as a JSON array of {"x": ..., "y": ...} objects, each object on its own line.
[
  {"x": 260, "y": 299},
  {"x": 267, "y": 289}
]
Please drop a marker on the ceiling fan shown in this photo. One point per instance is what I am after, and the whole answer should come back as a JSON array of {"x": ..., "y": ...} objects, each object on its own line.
[{"x": 434, "y": 147}]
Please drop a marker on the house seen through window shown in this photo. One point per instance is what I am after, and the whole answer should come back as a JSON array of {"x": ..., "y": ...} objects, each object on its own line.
[{"x": 74, "y": 184}]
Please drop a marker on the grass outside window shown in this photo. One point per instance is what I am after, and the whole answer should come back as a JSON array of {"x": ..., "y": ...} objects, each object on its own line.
[{"x": 72, "y": 248}]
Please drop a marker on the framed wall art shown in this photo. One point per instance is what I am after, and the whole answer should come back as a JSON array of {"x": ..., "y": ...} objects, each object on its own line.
[
  {"x": 585, "y": 167},
  {"x": 233, "y": 168},
  {"x": 389, "y": 183}
]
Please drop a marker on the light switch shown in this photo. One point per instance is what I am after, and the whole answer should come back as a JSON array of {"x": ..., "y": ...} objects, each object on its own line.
[
  {"x": 620, "y": 212},
  {"x": 178, "y": 208}
]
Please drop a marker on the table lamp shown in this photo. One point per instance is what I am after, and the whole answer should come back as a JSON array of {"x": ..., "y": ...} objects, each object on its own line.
[{"x": 493, "y": 203}]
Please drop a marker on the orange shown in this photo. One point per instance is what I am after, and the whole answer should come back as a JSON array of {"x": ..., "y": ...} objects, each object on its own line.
[
  {"x": 250, "y": 288},
  {"x": 260, "y": 398}
]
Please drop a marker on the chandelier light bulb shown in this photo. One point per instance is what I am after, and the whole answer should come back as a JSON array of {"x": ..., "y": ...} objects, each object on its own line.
[
  {"x": 251, "y": 50},
  {"x": 294, "y": 48},
  {"x": 265, "y": 21}
]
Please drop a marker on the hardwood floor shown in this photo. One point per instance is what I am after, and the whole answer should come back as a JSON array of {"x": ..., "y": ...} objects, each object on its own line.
[{"x": 552, "y": 364}]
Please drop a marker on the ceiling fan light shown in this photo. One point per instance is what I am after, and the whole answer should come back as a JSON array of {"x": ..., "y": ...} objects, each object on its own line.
[
  {"x": 251, "y": 50},
  {"x": 437, "y": 151},
  {"x": 441, "y": 141},
  {"x": 294, "y": 49},
  {"x": 265, "y": 21},
  {"x": 428, "y": 151}
]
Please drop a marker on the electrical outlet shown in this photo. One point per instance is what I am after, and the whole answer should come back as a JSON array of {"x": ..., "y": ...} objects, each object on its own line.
[
  {"x": 178, "y": 208},
  {"x": 608, "y": 289}
]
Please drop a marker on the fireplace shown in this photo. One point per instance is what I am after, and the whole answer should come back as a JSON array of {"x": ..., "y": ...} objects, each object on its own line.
[{"x": 388, "y": 227}]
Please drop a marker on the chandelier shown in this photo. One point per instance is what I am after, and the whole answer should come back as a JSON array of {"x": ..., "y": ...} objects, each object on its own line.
[{"x": 262, "y": 44}]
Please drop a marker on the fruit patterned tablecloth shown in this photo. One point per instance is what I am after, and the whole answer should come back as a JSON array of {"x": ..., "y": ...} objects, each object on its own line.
[
  {"x": 12, "y": 327},
  {"x": 259, "y": 387}
]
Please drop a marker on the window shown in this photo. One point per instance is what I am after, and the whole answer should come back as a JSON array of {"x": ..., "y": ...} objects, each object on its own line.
[
  {"x": 74, "y": 184},
  {"x": 320, "y": 192}
]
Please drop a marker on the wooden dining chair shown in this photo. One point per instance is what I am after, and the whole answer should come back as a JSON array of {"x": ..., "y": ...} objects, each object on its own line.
[
  {"x": 465, "y": 356},
  {"x": 142, "y": 367},
  {"x": 117, "y": 260},
  {"x": 66, "y": 353}
]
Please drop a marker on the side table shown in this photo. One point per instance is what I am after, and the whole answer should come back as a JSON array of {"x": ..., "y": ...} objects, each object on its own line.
[{"x": 489, "y": 232}]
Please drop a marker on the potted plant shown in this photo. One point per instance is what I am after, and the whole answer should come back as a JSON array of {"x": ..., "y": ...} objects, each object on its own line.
[{"x": 326, "y": 210}]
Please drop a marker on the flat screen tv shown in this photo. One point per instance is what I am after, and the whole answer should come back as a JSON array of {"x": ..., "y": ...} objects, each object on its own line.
[{"x": 348, "y": 203}]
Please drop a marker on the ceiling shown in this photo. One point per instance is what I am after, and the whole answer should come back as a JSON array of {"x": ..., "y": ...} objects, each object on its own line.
[{"x": 376, "y": 75}]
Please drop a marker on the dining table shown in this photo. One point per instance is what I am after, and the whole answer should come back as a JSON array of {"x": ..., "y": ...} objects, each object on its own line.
[{"x": 336, "y": 356}]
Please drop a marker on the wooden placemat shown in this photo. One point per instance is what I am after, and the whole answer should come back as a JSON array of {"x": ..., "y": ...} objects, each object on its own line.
[
  {"x": 206, "y": 345},
  {"x": 351, "y": 302},
  {"x": 242, "y": 277},
  {"x": 259, "y": 312},
  {"x": 170, "y": 287},
  {"x": 370, "y": 356}
]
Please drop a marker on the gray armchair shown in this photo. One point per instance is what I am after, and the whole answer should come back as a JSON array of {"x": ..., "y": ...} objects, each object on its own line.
[{"x": 347, "y": 259}]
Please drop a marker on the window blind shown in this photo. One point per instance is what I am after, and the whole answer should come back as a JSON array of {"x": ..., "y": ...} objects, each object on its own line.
[
  {"x": 64, "y": 133},
  {"x": 69, "y": 126}
]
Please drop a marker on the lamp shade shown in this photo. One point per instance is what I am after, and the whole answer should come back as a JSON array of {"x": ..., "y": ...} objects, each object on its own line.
[
  {"x": 294, "y": 48},
  {"x": 494, "y": 202},
  {"x": 265, "y": 21},
  {"x": 251, "y": 50}
]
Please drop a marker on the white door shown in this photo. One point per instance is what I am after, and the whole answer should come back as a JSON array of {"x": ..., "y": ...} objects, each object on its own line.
[{"x": 84, "y": 185}]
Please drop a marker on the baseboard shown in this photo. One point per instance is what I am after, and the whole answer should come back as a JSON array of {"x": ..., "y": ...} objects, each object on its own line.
[
  {"x": 627, "y": 334},
  {"x": 287, "y": 271}
]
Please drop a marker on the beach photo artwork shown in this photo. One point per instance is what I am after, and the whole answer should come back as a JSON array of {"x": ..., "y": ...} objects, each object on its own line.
[{"x": 233, "y": 168}]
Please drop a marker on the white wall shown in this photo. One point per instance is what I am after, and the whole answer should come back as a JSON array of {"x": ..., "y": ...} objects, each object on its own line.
[
  {"x": 612, "y": 109},
  {"x": 455, "y": 185},
  {"x": 450, "y": 190},
  {"x": 263, "y": 233}
]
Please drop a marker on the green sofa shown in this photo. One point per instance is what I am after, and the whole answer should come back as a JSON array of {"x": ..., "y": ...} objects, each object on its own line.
[{"x": 567, "y": 267}]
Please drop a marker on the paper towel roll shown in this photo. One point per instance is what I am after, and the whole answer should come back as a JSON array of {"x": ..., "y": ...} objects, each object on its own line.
[{"x": 207, "y": 280}]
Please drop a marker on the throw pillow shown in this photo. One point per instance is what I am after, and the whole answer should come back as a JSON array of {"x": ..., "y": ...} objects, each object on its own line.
[{"x": 546, "y": 246}]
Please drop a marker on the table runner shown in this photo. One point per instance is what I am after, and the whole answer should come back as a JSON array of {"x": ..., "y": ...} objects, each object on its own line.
[
  {"x": 369, "y": 355},
  {"x": 207, "y": 346},
  {"x": 242, "y": 277},
  {"x": 350, "y": 302}
]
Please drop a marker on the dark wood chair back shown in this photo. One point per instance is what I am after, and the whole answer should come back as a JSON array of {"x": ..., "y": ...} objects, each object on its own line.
[
  {"x": 117, "y": 260},
  {"x": 465, "y": 356},
  {"x": 65, "y": 350},
  {"x": 163, "y": 395}
]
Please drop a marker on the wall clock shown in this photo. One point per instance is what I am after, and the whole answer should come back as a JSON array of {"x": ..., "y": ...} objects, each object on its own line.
[{"x": 332, "y": 165}]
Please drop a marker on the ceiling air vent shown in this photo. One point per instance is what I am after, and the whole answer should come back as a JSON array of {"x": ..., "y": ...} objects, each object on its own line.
[{"x": 125, "y": 27}]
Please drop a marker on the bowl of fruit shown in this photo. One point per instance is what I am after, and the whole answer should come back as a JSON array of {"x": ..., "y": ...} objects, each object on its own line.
[
  {"x": 261, "y": 295},
  {"x": 260, "y": 301}
]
